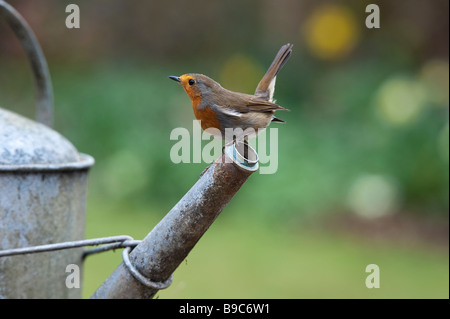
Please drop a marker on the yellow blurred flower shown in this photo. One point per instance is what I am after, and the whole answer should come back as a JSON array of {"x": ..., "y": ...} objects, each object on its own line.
[
  {"x": 241, "y": 73},
  {"x": 331, "y": 32},
  {"x": 435, "y": 76}
]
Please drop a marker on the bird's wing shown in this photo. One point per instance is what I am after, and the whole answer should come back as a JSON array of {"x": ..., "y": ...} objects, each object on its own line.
[
  {"x": 226, "y": 110},
  {"x": 256, "y": 104},
  {"x": 246, "y": 106}
]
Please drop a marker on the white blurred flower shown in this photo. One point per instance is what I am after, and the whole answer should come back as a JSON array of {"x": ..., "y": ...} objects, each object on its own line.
[
  {"x": 400, "y": 100},
  {"x": 373, "y": 196}
]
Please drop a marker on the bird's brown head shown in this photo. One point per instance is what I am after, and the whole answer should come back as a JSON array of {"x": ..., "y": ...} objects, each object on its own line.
[{"x": 196, "y": 85}]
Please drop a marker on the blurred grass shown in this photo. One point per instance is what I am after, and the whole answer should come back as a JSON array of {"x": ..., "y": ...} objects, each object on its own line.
[{"x": 240, "y": 257}]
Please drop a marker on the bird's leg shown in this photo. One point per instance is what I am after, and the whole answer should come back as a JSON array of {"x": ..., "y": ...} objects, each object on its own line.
[
  {"x": 246, "y": 148},
  {"x": 228, "y": 144}
]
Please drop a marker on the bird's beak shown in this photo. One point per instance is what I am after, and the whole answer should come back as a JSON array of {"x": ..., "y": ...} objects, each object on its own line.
[{"x": 175, "y": 78}]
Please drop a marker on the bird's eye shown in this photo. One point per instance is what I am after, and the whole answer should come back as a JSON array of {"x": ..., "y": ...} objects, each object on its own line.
[{"x": 191, "y": 82}]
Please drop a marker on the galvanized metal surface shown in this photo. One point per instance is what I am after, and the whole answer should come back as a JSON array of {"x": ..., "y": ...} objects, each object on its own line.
[
  {"x": 40, "y": 208},
  {"x": 244, "y": 156},
  {"x": 25, "y": 143},
  {"x": 169, "y": 243},
  {"x": 141, "y": 278},
  {"x": 43, "y": 185},
  {"x": 109, "y": 243}
]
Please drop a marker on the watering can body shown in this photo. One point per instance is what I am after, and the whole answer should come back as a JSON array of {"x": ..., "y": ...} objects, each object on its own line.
[{"x": 43, "y": 189}]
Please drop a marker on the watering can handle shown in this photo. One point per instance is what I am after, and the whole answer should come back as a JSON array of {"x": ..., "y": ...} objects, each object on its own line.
[{"x": 44, "y": 98}]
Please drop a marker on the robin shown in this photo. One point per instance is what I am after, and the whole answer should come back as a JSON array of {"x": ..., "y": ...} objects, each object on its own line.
[{"x": 220, "y": 109}]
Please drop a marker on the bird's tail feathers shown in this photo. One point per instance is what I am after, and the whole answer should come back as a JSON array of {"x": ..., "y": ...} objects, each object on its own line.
[
  {"x": 276, "y": 119},
  {"x": 266, "y": 86}
]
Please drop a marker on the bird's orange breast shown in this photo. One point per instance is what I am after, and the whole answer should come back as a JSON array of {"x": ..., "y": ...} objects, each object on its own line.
[{"x": 207, "y": 116}]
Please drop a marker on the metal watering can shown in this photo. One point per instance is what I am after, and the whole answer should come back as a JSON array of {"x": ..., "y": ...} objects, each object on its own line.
[{"x": 43, "y": 188}]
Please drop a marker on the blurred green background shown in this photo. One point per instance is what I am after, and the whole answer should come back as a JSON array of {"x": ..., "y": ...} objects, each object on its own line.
[{"x": 363, "y": 173}]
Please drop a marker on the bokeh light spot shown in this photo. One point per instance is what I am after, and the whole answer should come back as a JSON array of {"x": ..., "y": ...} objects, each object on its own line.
[
  {"x": 241, "y": 73},
  {"x": 435, "y": 76},
  {"x": 400, "y": 100},
  {"x": 373, "y": 196},
  {"x": 331, "y": 32}
]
